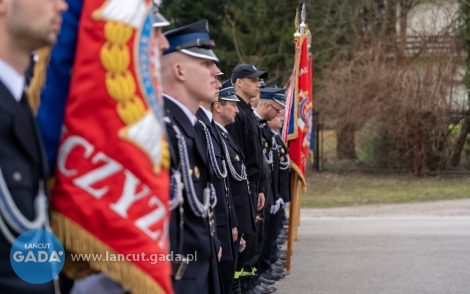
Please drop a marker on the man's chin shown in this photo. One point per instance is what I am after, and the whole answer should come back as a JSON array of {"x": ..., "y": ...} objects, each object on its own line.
[{"x": 49, "y": 40}]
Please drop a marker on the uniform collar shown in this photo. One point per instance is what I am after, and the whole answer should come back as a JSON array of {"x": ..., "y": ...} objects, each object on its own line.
[
  {"x": 221, "y": 126},
  {"x": 186, "y": 111},
  {"x": 257, "y": 115},
  {"x": 12, "y": 80},
  {"x": 207, "y": 112}
]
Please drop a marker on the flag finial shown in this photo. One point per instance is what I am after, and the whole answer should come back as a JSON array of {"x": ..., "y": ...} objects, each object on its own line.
[{"x": 303, "y": 17}]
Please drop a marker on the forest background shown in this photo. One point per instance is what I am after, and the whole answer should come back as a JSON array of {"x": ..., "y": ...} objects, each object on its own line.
[{"x": 390, "y": 76}]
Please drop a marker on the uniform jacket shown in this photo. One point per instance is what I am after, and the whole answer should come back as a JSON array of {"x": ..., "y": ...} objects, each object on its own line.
[
  {"x": 224, "y": 211},
  {"x": 245, "y": 132},
  {"x": 267, "y": 137},
  {"x": 23, "y": 163},
  {"x": 284, "y": 174},
  {"x": 200, "y": 276},
  {"x": 239, "y": 189}
]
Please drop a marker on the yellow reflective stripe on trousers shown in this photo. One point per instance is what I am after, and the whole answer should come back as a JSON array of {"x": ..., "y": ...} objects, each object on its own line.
[{"x": 238, "y": 274}]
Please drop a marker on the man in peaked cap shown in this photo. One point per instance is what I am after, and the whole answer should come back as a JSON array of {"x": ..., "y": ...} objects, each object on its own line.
[
  {"x": 224, "y": 112},
  {"x": 224, "y": 211},
  {"x": 188, "y": 72},
  {"x": 284, "y": 190},
  {"x": 246, "y": 82},
  {"x": 271, "y": 105},
  {"x": 100, "y": 283}
]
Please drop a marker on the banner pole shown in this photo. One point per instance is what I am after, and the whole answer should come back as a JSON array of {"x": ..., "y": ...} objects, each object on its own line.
[
  {"x": 297, "y": 207},
  {"x": 292, "y": 218}
]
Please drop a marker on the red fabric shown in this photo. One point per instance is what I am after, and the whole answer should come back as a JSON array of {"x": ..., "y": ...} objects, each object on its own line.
[
  {"x": 299, "y": 147},
  {"x": 92, "y": 116}
]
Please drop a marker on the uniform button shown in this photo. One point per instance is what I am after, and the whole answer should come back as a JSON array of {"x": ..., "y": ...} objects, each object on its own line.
[{"x": 17, "y": 176}]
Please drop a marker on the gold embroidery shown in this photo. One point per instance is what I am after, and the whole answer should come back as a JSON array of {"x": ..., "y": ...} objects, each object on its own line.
[{"x": 120, "y": 83}]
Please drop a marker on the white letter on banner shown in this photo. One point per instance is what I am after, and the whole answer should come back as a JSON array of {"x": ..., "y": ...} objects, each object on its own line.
[
  {"x": 152, "y": 218},
  {"x": 87, "y": 180},
  {"x": 129, "y": 196},
  {"x": 70, "y": 143}
]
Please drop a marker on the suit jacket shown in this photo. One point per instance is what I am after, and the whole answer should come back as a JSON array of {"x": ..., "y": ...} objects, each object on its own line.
[
  {"x": 224, "y": 211},
  {"x": 284, "y": 174},
  {"x": 23, "y": 163},
  {"x": 245, "y": 132},
  {"x": 201, "y": 275},
  {"x": 267, "y": 137},
  {"x": 239, "y": 190}
]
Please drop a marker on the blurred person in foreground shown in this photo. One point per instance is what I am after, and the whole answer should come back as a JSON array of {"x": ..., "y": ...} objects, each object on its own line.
[{"x": 25, "y": 26}]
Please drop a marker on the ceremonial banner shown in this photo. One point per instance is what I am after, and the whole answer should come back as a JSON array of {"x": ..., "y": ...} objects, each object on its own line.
[
  {"x": 298, "y": 122},
  {"x": 112, "y": 189}
]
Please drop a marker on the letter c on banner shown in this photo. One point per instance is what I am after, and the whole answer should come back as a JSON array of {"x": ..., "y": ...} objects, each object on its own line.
[{"x": 67, "y": 146}]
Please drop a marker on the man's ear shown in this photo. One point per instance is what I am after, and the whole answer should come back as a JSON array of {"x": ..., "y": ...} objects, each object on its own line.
[
  {"x": 216, "y": 107},
  {"x": 239, "y": 82},
  {"x": 178, "y": 71}
]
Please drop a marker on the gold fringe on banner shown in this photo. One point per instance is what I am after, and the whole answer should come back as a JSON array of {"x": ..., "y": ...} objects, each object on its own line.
[
  {"x": 39, "y": 78},
  {"x": 77, "y": 240},
  {"x": 296, "y": 169}
]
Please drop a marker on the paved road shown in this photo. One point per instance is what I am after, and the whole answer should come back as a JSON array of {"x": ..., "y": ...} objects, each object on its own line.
[{"x": 390, "y": 249}]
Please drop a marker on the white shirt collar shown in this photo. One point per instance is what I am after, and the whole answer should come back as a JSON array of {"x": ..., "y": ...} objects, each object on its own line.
[
  {"x": 275, "y": 133},
  {"x": 186, "y": 111},
  {"x": 207, "y": 112},
  {"x": 257, "y": 115},
  {"x": 12, "y": 80},
  {"x": 221, "y": 126}
]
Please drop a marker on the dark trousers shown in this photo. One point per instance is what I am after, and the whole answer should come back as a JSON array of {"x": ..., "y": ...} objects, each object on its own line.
[
  {"x": 282, "y": 217},
  {"x": 269, "y": 245},
  {"x": 255, "y": 247},
  {"x": 228, "y": 267},
  {"x": 242, "y": 257}
]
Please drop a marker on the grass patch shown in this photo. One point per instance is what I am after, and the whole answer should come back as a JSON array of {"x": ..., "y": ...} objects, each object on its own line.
[{"x": 329, "y": 189}]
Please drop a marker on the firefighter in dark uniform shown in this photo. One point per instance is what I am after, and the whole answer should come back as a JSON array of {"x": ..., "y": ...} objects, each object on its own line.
[
  {"x": 224, "y": 112},
  {"x": 224, "y": 211},
  {"x": 274, "y": 201},
  {"x": 246, "y": 82},
  {"x": 270, "y": 105},
  {"x": 23, "y": 164},
  {"x": 188, "y": 71},
  {"x": 284, "y": 188}
]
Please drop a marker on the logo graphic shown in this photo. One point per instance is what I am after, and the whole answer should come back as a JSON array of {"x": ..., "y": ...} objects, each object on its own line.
[{"x": 37, "y": 256}]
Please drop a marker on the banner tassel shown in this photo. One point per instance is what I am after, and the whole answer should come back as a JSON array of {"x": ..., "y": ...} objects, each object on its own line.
[{"x": 39, "y": 78}]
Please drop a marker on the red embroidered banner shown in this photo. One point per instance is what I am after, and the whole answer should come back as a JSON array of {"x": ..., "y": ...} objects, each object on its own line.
[
  {"x": 112, "y": 190},
  {"x": 299, "y": 120}
]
